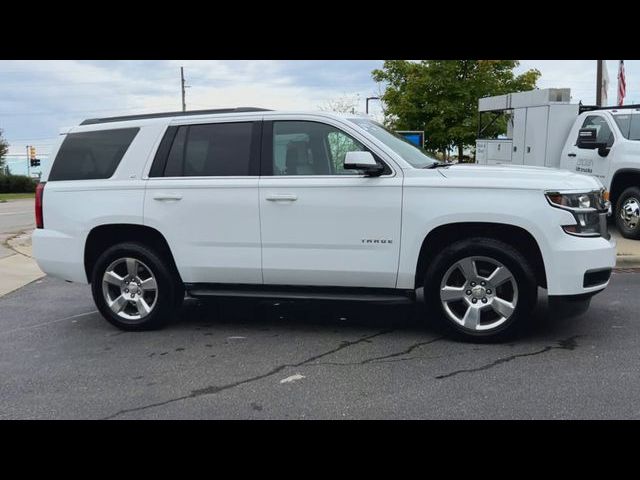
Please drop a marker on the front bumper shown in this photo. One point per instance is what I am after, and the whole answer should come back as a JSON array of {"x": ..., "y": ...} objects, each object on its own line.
[{"x": 579, "y": 266}]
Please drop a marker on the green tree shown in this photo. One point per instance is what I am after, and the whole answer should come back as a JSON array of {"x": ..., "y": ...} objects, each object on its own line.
[
  {"x": 441, "y": 96},
  {"x": 4, "y": 148}
]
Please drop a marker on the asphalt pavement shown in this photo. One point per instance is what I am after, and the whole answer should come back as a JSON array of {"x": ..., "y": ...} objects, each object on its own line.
[{"x": 245, "y": 360}]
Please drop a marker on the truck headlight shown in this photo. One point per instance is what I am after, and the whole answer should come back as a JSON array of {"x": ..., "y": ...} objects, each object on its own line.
[{"x": 588, "y": 208}]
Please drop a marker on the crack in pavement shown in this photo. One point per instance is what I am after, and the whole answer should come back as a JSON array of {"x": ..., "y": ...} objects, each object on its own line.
[
  {"x": 12, "y": 236},
  {"x": 566, "y": 344},
  {"x": 29, "y": 327},
  {"x": 386, "y": 358},
  {"x": 213, "y": 389},
  {"x": 395, "y": 360}
]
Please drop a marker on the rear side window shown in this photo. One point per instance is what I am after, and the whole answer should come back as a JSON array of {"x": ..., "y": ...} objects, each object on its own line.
[
  {"x": 91, "y": 155},
  {"x": 629, "y": 125},
  {"x": 634, "y": 131},
  {"x": 211, "y": 150},
  {"x": 624, "y": 123}
]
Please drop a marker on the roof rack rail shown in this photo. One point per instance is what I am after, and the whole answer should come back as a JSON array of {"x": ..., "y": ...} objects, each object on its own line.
[
  {"x": 589, "y": 108},
  {"x": 93, "y": 121}
]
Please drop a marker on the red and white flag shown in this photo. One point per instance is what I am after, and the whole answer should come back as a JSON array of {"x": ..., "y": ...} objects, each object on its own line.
[{"x": 622, "y": 84}]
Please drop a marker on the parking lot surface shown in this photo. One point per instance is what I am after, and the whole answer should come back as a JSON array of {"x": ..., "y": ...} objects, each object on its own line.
[{"x": 242, "y": 359}]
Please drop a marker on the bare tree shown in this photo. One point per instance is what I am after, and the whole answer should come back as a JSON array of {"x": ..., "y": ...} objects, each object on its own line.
[{"x": 342, "y": 104}]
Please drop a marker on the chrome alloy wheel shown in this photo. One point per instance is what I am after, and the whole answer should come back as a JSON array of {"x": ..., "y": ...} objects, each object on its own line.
[
  {"x": 478, "y": 293},
  {"x": 630, "y": 212},
  {"x": 130, "y": 289}
]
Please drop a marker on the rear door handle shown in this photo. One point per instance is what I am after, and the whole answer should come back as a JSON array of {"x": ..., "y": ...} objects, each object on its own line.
[
  {"x": 278, "y": 197},
  {"x": 167, "y": 196},
  {"x": 571, "y": 154}
]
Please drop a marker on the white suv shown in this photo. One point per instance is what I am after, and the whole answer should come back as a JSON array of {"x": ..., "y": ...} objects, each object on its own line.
[{"x": 252, "y": 202}]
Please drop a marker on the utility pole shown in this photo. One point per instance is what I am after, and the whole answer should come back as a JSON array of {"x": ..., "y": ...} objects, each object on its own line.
[
  {"x": 184, "y": 105},
  {"x": 599, "y": 84}
]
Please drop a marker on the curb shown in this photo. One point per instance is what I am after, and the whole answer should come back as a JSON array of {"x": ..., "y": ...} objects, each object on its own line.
[
  {"x": 17, "y": 271},
  {"x": 628, "y": 261}
]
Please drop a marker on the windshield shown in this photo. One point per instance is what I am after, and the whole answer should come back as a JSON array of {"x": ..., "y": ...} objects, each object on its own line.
[{"x": 413, "y": 155}]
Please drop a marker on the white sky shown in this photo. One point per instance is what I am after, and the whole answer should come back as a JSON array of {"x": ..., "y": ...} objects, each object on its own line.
[{"x": 37, "y": 98}]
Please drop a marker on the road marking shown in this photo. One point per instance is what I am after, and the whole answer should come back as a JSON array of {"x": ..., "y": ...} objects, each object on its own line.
[
  {"x": 292, "y": 378},
  {"x": 51, "y": 322}
]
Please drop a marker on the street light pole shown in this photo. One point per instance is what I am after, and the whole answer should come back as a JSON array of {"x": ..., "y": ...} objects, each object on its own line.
[{"x": 367, "y": 103}]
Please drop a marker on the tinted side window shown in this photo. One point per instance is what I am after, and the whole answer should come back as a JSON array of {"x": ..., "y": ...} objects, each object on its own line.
[
  {"x": 311, "y": 148},
  {"x": 604, "y": 133},
  {"x": 175, "y": 160},
  {"x": 211, "y": 150},
  {"x": 91, "y": 155}
]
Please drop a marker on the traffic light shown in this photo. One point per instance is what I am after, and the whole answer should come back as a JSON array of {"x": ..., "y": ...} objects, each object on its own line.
[{"x": 33, "y": 161}]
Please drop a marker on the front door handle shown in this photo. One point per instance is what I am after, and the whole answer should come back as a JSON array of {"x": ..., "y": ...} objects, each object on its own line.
[
  {"x": 167, "y": 196},
  {"x": 276, "y": 197},
  {"x": 571, "y": 155}
]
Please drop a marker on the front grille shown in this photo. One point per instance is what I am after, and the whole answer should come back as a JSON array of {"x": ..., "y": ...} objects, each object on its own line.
[{"x": 596, "y": 277}]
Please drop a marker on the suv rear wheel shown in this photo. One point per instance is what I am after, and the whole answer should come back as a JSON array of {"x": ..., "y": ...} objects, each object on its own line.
[
  {"x": 133, "y": 288},
  {"x": 481, "y": 288}
]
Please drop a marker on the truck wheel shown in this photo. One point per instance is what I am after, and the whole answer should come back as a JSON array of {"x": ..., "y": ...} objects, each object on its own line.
[
  {"x": 480, "y": 289},
  {"x": 628, "y": 213},
  {"x": 133, "y": 288}
]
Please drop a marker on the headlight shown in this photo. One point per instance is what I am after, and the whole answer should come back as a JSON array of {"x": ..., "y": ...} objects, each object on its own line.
[
  {"x": 566, "y": 200},
  {"x": 588, "y": 208}
]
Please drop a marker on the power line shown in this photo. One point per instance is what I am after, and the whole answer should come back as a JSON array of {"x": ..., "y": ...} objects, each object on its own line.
[
  {"x": 30, "y": 139},
  {"x": 65, "y": 112},
  {"x": 66, "y": 83}
]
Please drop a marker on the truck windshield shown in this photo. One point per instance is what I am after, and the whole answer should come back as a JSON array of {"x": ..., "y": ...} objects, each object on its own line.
[{"x": 413, "y": 155}]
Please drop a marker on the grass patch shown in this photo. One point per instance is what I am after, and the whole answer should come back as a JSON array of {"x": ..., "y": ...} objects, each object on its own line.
[{"x": 4, "y": 197}]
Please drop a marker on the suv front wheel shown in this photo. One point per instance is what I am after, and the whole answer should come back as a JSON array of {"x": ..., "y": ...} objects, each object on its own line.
[
  {"x": 133, "y": 288},
  {"x": 481, "y": 288}
]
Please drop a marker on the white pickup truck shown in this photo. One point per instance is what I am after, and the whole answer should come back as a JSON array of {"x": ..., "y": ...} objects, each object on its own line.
[
  {"x": 249, "y": 202},
  {"x": 544, "y": 129}
]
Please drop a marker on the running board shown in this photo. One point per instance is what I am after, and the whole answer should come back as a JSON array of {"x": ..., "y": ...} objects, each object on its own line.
[{"x": 287, "y": 292}]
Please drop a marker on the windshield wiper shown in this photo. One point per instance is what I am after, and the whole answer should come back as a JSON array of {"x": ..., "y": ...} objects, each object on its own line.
[{"x": 437, "y": 164}]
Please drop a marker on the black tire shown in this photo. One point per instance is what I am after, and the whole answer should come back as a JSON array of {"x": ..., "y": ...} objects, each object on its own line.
[
  {"x": 521, "y": 273},
  {"x": 168, "y": 296},
  {"x": 630, "y": 194}
]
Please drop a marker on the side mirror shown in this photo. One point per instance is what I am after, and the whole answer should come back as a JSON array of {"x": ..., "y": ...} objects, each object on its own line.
[
  {"x": 362, "y": 161},
  {"x": 587, "y": 139}
]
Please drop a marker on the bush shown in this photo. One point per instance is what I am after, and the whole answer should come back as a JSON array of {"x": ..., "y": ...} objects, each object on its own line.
[{"x": 17, "y": 184}]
